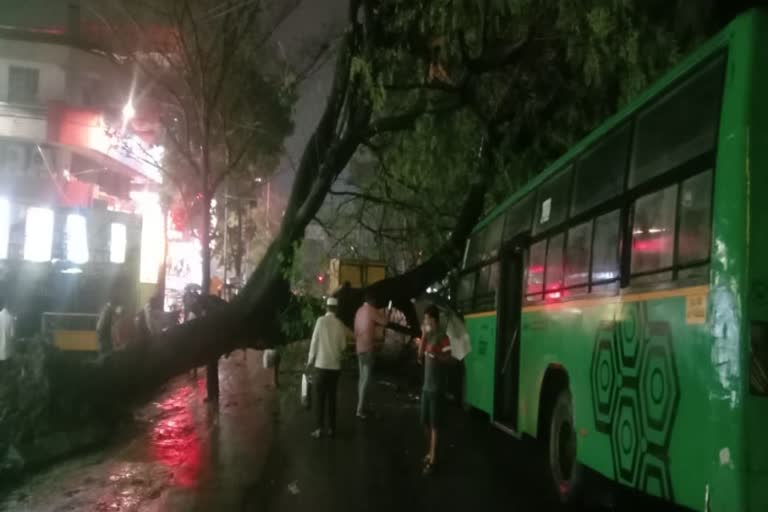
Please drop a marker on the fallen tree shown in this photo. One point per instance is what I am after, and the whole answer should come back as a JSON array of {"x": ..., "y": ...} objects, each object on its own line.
[
  {"x": 500, "y": 65},
  {"x": 529, "y": 76}
]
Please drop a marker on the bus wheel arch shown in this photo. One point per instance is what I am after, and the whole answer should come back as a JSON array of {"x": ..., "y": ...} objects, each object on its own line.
[{"x": 557, "y": 434}]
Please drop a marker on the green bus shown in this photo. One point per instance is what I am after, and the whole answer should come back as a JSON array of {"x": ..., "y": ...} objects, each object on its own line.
[{"x": 617, "y": 304}]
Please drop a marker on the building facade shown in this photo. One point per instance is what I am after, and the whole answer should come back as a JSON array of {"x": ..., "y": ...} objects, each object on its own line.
[{"x": 80, "y": 221}]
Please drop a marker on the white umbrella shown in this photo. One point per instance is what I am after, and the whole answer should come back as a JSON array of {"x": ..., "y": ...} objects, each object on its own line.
[{"x": 457, "y": 334}]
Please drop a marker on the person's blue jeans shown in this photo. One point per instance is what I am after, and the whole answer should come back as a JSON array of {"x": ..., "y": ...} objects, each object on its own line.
[{"x": 365, "y": 362}]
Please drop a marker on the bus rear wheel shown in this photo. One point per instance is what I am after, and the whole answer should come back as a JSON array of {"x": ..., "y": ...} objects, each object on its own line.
[{"x": 562, "y": 465}]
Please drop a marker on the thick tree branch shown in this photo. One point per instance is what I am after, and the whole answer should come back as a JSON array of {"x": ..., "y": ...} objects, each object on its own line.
[{"x": 406, "y": 120}]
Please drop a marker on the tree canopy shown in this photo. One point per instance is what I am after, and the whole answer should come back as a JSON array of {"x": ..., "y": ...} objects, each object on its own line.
[
  {"x": 478, "y": 95},
  {"x": 531, "y": 76},
  {"x": 212, "y": 75}
]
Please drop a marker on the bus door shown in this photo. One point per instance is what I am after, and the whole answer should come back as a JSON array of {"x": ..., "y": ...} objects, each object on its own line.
[{"x": 508, "y": 341}]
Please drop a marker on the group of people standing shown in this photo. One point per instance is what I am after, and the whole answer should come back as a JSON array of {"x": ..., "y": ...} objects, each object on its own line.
[
  {"x": 148, "y": 322},
  {"x": 326, "y": 352}
]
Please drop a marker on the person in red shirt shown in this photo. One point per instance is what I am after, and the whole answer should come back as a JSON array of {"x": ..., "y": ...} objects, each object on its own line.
[{"x": 434, "y": 352}]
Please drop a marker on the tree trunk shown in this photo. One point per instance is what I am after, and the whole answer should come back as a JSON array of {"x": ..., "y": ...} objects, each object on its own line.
[
  {"x": 252, "y": 319},
  {"x": 239, "y": 245},
  {"x": 212, "y": 366}
]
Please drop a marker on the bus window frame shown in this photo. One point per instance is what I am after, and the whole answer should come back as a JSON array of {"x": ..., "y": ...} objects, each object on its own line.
[
  {"x": 628, "y": 125},
  {"x": 566, "y": 173},
  {"x": 566, "y": 244},
  {"x": 625, "y": 201},
  {"x": 679, "y": 84},
  {"x": 681, "y": 177},
  {"x": 470, "y": 304},
  {"x": 527, "y": 227}
]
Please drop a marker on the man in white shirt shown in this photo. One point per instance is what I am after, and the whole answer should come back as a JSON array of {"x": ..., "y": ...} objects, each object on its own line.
[
  {"x": 325, "y": 354},
  {"x": 6, "y": 332}
]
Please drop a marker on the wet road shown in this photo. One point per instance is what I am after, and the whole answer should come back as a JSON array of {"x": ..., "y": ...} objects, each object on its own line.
[
  {"x": 256, "y": 455},
  {"x": 376, "y": 465},
  {"x": 182, "y": 457}
]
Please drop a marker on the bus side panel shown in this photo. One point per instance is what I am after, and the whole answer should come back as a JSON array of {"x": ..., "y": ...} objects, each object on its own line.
[
  {"x": 562, "y": 336},
  {"x": 480, "y": 363},
  {"x": 635, "y": 370},
  {"x": 674, "y": 372},
  {"x": 727, "y": 317},
  {"x": 756, "y": 405}
]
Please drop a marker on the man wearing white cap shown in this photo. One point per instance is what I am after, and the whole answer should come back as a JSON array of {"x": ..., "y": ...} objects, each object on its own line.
[{"x": 325, "y": 353}]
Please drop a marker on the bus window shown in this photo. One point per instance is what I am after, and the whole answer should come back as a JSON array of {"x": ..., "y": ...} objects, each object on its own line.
[
  {"x": 600, "y": 172},
  {"x": 492, "y": 238},
  {"x": 552, "y": 202},
  {"x": 577, "y": 254},
  {"x": 487, "y": 284},
  {"x": 535, "y": 279},
  {"x": 518, "y": 218},
  {"x": 605, "y": 252},
  {"x": 554, "y": 269},
  {"x": 680, "y": 126},
  {"x": 466, "y": 291},
  {"x": 695, "y": 219},
  {"x": 475, "y": 249},
  {"x": 653, "y": 232}
]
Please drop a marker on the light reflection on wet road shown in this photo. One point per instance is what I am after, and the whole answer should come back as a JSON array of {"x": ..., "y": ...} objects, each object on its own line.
[
  {"x": 185, "y": 457},
  {"x": 175, "y": 441}
]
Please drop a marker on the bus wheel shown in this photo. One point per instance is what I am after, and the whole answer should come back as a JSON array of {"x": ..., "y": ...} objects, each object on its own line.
[{"x": 563, "y": 467}]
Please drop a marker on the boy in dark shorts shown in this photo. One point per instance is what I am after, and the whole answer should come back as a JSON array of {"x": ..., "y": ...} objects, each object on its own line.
[{"x": 434, "y": 352}]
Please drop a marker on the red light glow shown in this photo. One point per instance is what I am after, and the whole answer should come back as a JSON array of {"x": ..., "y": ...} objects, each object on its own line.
[
  {"x": 175, "y": 441},
  {"x": 651, "y": 245}
]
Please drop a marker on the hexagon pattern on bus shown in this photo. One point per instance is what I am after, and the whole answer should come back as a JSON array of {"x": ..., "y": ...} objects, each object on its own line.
[
  {"x": 604, "y": 376},
  {"x": 659, "y": 396},
  {"x": 635, "y": 396},
  {"x": 654, "y": 476},
  {"x": 626, "y": 436},
  {"x": 631, "y": 336}
]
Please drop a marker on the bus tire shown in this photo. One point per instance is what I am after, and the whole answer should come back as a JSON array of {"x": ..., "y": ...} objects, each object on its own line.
[{"x": 562, "y": 466}]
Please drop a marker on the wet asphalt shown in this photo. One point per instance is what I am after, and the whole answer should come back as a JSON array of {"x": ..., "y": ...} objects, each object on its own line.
[
  {"x": 375, "y": 465},
  {"x": 179, "y": 455},
  {"x": 256, "y": 455}
]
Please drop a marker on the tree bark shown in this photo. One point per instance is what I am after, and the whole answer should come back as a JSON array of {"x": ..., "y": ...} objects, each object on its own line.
[
  {"x": 212, "y": 366},
  {"x": 239, "y": 246}
]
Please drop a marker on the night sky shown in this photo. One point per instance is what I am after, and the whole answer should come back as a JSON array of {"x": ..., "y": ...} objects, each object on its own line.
[{"x": 310, "y": 23}]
